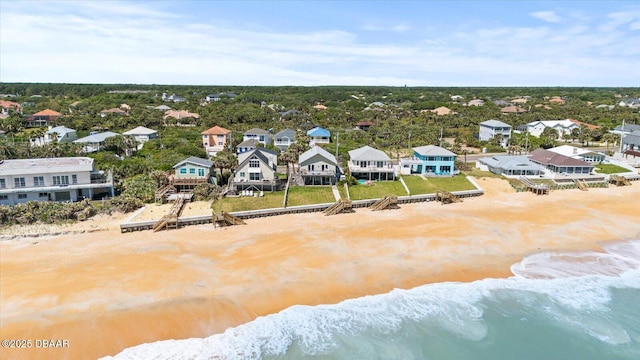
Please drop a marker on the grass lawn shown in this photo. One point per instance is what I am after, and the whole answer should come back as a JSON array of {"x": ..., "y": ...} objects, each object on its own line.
[
  {"x": 343, "y": 192},
  {"x": 378, "y": 190},
  {"x": 418, "y": 185},
  {"x": 244, "y": 203},
  {"x": 475, "y": 172},
  {"x": 299, "y": 195},
  {"x": 610, "y": 169}
]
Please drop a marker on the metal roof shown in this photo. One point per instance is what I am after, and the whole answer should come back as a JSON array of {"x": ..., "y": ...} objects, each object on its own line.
[
  {"x": 96, "y": 138},
  {"x": 45, "y": 166},
  {"x": 140, "y": 130},
  {"x": 367, "y": 153},
  {"x": 432, "y": 150},
  {"x": 195, "y": 160},
  {"x": 317, "y": 150}
]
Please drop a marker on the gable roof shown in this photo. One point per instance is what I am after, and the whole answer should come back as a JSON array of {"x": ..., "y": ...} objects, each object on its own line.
[
  {"x": 512, "y": 110},
  {"x": 96, "y": 138},
  {"x": 317, "y": 150},
  {"x": 318, "y": 131},
  {"x": 442, "y": 110},
  {"x": 195, "y": 160},
  {"x": 432, "y": 150},
  {"x": 494, "y": 123},
  {"x": 511, "y": 162},
  {"x": 216, "y": 130},
  {"x": 627, "y": 127},
  {"x": 589, "y": 126},
  {"x": 570, "y": 151},
  {"x": 114, "y": 111},
  {"x": 260, "y": 153},
  {"x": 291, "y": 134},
  {"x": 180, "y": 114},
  {"x": 632, "y": 138},
  {"x": 554, "y": 123},
  {"x": 249, "y": 143},
  {"x": 367, "y": 153},
  {"x": 140, "y": 130},
  {"x": 546, "y": 157}
]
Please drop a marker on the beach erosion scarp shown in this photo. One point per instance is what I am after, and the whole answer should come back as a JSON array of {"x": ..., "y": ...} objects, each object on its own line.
[{"x": 105, "y": 291}]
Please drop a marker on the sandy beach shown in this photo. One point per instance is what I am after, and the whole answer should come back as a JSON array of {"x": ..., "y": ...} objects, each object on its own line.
[{"x": 104, "y": 291}]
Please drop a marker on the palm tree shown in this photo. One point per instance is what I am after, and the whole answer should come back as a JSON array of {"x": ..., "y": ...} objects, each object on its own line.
[{"x": 609, "y": 138}]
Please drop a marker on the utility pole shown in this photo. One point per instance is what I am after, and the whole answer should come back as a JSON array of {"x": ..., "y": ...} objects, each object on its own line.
[
  {"x": 337, "y": 143},
  {"x": 440, "y": 137},
  {"x": 621, "y": 135}
]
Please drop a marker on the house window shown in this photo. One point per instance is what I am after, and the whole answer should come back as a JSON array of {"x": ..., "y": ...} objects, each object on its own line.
[
  {"x": 242, "y": 174},
  {"x": 38, "y": 181},
  {"x": 61, "y": 180},
  {"x": 3, "y": 183},
  {"x": 22, "y": 196},
  {"x": 183, "y": 171},
  {"x": 220, "y": 143},
  {"x": 431, "y": 158},
  {"x": 4, "y": 197},
  {"x": 254, "y": 163},
  {"x": 310, "y": 167},
  {"x": 43, "y": 195},
  {"x": 19, "y": 182},
  {"x": 200, "y": 172},
  {"x": 324, "y": 167},
  {"x": 379, "y": 164},
  {"x": 192, "y": 171},
  {"x": 254, "y": 176},
  {"x": 74, "y": 179}
]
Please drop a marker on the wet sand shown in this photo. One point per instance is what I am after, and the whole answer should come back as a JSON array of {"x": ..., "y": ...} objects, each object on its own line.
[{"x": 105, "y": 291}]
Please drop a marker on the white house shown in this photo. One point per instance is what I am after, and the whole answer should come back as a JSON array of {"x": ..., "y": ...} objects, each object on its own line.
[
  {"x": 263, "y": 136},
  {"x": 55, "y": 179},
  {"x": 566, "y": 126},
  {"x": 367, "y": 163},
  {"x": 256, "y": 170},
  {"x": 573, "y": 152},
  {"x": 491, "y": 128},
  {"x": 319, "y": 135},
  {"x": 95, "y": 142},
  {"x": 142, "y": 134},
  {"x": 318, "y": 167},
  {"x": 60, "y": 134},
  {"x": 283, "y": 139}
]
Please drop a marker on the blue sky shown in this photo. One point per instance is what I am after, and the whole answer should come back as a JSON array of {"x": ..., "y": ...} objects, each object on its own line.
[{"x": 414, "y": 43}]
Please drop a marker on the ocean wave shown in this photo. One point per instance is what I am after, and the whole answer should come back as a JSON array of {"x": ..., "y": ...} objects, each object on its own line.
[{"x": 581, "y": 296}]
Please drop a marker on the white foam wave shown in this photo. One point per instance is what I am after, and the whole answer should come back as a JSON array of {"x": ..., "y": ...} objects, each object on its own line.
[{"x": 580, "y": 303}]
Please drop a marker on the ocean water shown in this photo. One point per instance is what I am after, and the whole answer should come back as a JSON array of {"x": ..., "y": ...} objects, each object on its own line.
[{"x": 556, "y": 306}]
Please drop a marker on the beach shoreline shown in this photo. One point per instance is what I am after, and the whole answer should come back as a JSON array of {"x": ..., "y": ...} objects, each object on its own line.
[{"x": 196, "y": 281}]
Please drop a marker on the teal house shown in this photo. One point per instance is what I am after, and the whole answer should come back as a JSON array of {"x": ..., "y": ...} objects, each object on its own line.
[
  {"x": 429, "y": 160},
  {"x": 193, "y": 171}
]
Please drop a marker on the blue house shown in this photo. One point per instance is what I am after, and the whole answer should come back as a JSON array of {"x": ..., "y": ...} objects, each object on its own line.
[
  {"x": 319, "y": 135},
  {"x": 429, "y": 160}
]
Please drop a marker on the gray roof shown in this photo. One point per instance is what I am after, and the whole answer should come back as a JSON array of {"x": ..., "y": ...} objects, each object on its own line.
[
  {"x": 291, "y": 134},
  {"x": 494, "y": 123},
  {"x": 506, "y": 162},
  {"x": 259, "y": 153},
  {"x": 256, "y": 131},
  {"x": 317, "y": 150},
  {"x": 632, "y": 138},
  {"x": 195, "y": 160},
  {"x": 627, "y": 127},
  {"x": 96, "y": 138},
  {"x": 432, "y": 150},
  {"x": 367, "y": 153},
  {"x": 140, "y": 130},
  {"x": 45, "y": 165},
  {"x": 249, "y": 143},
  {"x": 60, "y": 130}
]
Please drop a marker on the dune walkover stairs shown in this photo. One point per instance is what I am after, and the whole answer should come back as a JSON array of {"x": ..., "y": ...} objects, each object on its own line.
[
  {"x": 341, "y": 206},
  {"x": 582, "y": 185},
  {"x": 387, "y": 202},
  {"x": 618, "y": 180},
  {"x": 226, "y": 219},
  {"x": 538, "y": 189},
  {"x": 445, "y": 197},
  {"x": 170, "y": 221}
]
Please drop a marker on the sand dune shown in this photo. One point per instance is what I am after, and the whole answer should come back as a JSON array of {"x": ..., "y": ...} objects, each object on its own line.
[{"x": 105, "y": 291}]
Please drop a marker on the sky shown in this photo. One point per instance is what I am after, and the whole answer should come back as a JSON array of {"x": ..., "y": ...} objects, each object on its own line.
[{"x": 309, "y": 43}]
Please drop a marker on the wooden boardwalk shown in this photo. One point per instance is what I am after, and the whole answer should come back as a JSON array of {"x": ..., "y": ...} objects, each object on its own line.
[
  {"x": 538, "y": 189},
  {"x": 387, "y": 202},
  {"x": 170, "y": 221}
]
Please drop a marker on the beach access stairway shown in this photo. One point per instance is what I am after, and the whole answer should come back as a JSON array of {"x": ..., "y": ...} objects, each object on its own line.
[
  {"x": 226, "y": 219},
  {"x": 164, "y": 192},
  {"x": 340, "y": 206},
  {"x": 618, "y": 180},
  {"x": 387, "y": 202},
  {"x": 445, "y": 197},
  {"x": 538, "y": 189},
  {"x": 170, "y": 220},
  {"x": 581, "y": 184}
]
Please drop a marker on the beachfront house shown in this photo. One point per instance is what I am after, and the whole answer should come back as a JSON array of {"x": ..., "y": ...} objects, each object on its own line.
[
  {"x": 283, "y": 139},
  {"x": 262, "y": 136},
  {"x": 192, "y": 172},
  {"x": 491, "y": 129},
  {"x": 625, "y": 129},
  {"x": 367, "y": 163},
  {"x": 631, "y": 141},
  {"x": 52, "y": 179},
  {"x": 215, "y": 139},
  {"x": 95, "y": 142},
  {"x": 510, "y": 166},
  {"x": 256, "y": 170},
  {"x": 141, "y": 134},
  {"x": 318, "y": 167},
  {"x": 429, "y": 160},
  {"x": 60, "y": 134},
  {"x": 573, "y": 152},
  {"x": 560, "y": 164},
  {"x": 319, "y": 135}
]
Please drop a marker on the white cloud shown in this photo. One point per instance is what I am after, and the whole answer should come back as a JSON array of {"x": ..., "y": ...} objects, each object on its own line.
[
  {"x": 548, "y": 16},
  {"x": 132, "y": 43},
  {"x": 395, "y": 28}
]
